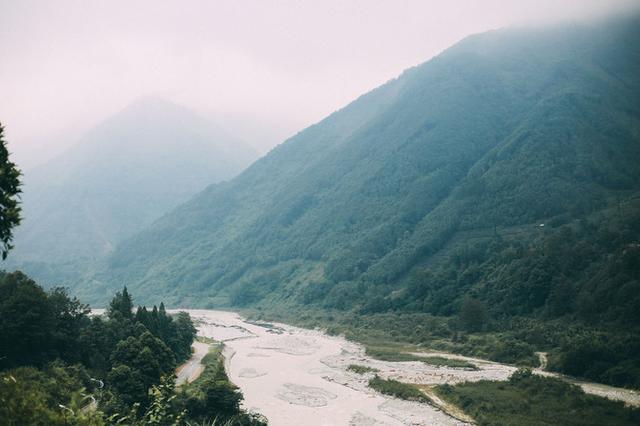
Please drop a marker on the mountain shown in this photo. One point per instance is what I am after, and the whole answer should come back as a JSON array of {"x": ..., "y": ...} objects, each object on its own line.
[
  {"x": 119, "y": 178},
  {"x": 458, "y": 178}
]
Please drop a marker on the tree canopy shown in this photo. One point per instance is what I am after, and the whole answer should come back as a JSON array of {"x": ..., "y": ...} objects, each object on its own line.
[{"x": 9, "y": 197}]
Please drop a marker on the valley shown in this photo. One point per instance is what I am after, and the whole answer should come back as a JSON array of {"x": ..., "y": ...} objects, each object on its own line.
[
  {"x": 453, "y": 240},
  {"x": 287, "y": 373}
]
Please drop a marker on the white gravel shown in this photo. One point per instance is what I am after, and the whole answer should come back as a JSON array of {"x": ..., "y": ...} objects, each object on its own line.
[{"x": 295, "y": 376}]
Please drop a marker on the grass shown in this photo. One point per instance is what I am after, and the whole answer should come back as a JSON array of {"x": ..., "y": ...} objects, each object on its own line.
[
  {"x": 448, "y": 362},
  {"x": 204, "y": 339},
  {"x": 398, "y": 389},
  {"x": 530, "y": 399},
  {"x": 361, "y": 369},
  {"x": 213, "y": 365},
  {"x": 399, "y": 333},
  {"x": 393, "y": 354},
  {"x": 212, "y": 399}
]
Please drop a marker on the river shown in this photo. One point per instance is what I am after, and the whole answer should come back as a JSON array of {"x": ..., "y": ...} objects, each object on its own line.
[{"x": 296, "y": 376}]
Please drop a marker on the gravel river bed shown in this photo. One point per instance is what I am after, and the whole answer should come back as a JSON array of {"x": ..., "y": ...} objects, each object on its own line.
[{"x": 295, "y": 376}]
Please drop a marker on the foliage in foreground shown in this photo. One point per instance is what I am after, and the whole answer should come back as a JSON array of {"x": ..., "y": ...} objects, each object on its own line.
[
  {"x": 530, "y": 399},
  {"x": 54, "y": 395},
  {"x": 9, "y": 198},
  {"x": 60, "y": 366}
]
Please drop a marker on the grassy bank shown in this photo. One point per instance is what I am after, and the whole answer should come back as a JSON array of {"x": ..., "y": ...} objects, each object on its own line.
[
  {"x": 213, "y": 396},
  {"x": 529, "y": 399},
  {"x": 403, "y": 333},
  {"x": 213, "y": 363},
  {"x": 361, "y": 369},
  {"x": 581, "y": 351},
  {"x": 398, "y": 389},
  {"x": 399, "y": 354}
]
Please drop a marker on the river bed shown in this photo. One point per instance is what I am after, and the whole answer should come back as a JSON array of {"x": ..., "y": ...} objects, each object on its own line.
[{"x": 295, "y": 376}]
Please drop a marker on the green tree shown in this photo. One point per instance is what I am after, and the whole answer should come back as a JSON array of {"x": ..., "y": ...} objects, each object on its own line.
[
  {"x": 70, "y": 316},
  {"x": 9, "y": 197},
  {"x": 31, "y": 318},
  {"x": 128, "y": 383},
  {"x": 185, "y": 333},
  {"x": 121, "y": 305},
  {"x": 30, "y": 396},
  {"x": 473, "y": 314},
  {"x": 26, "y": 322},
  {"x": 146, "y": 359}
]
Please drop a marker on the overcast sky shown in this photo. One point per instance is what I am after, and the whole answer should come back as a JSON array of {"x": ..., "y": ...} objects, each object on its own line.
[{"x": 263, "y": 69}]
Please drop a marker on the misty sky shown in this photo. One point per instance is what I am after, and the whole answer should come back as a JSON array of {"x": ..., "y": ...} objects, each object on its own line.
[{"x": 262, "y": 69}]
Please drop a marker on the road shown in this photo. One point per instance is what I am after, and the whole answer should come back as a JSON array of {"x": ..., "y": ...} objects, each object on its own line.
[{"x": 191, "y": 370}]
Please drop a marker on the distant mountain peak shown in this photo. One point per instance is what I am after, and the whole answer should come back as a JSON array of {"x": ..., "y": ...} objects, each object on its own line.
[{"x": 126, "y": 172}]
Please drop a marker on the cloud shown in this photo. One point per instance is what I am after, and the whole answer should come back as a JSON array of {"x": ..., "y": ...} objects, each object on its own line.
[{"x": 265, "y": 68}]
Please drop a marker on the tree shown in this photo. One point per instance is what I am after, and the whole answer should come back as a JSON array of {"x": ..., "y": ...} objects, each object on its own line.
[
  {"x": 222, "y": 398},
  {"x": 30, "y": 396},
  {"x": 161, "y": 352},
  {"x": 26, "y": 322},
  {"x": 121, "y": 305},
  {"x": 128, "y": 384},
  {"x": 164, "y": 323},
  {"x": 473, "y": 314},
  {"x": 32, "y": 318},
  {"x": 70, "y": 316},
  {"x": 9, "y": 197},
  {"x": 147, "y": 358},
  {"x": 561, "y": 299},
  {"x": 185, "y": 333}
]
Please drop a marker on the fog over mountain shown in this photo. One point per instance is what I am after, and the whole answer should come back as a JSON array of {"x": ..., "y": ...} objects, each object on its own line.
[
  {"x": 264, "y": 70},
  {"x": 117, "y": 179}
]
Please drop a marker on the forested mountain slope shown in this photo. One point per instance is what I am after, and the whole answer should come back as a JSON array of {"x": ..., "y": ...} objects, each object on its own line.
[
  {"x": 432, "y": 187},
  {"x": 120, "y": 177}
]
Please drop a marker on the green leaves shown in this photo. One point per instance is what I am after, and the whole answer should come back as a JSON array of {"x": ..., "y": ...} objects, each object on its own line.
[{"x": 9, "y": 197}]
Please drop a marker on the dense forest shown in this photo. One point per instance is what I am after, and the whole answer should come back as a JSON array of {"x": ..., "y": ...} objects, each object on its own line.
[
  {"x": 494, "y": 188},
  {"x": 61, "y": 365}
]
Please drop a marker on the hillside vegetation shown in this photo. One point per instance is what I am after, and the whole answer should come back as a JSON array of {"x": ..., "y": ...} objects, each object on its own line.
[{"x": 494, "y": 188}]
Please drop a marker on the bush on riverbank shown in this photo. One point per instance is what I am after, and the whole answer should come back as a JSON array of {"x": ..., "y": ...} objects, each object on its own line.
[
  {"x": 361, "y": 369},
  {"x": 213, "y": 396},
  {"x": 530, "y": 399},
  {"x": 398, "y": 389},
  {"x": 580, "y": 350},
  {"x": 395, "y": 355}
]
